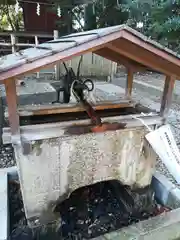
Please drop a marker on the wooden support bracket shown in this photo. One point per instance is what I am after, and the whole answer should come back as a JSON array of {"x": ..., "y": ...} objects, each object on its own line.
[
  {"x": 127, "y": 62},
  {"x": 167, "y": 96},
  {"x": 129, "y": 82}
]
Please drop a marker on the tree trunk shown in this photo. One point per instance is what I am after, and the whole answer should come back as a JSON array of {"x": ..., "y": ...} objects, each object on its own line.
[{"x": 90, "y": 17}]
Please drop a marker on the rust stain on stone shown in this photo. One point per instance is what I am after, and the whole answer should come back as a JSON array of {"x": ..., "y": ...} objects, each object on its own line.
[{"x": 85, "y": 129}]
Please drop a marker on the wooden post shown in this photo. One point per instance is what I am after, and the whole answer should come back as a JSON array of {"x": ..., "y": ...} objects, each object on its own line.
[
  {"x": 129, "y": 82},
  {"x": 57, "y": 67},
  {"x": 13, "y": 116},
  {"x": 13, "y": 43},
  {"x": 36, "y": 43},
  {"x": 167, "y": 95},
  {"x": 11, "y": 98}
]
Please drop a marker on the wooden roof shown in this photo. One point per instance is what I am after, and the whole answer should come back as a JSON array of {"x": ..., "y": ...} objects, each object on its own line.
[{"x": 119, "y": 43}]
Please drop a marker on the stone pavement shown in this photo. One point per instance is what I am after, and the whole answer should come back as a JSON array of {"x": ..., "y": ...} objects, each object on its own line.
[
  {"x": 148, "y": 82},
  {"x": 32, "y": 93}
]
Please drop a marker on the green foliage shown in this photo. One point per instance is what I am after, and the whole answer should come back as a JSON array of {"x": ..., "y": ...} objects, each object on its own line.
[
  {"x": 102, "y": 13},
  {"x": 65, "y": 24},
  {"x": 110, "y": 13},
  {"x": 165, "y": 23},
  {"x": 9, "y": 19},
  {"x": 7, "y": 2},
  {"x": 161, "y": 19}
]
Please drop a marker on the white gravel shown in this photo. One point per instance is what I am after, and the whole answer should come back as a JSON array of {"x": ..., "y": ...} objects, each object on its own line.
[{"x": 7, "y": 156}]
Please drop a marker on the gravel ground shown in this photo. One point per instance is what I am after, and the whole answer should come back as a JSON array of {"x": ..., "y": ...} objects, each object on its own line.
[{"x": 7, "y": 156}]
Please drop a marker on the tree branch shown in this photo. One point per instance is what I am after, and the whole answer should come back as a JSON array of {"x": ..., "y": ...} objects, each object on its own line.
[{"x": 8, "y": 17}]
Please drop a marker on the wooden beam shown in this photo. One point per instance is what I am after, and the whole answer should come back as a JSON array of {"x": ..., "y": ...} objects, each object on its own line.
[
  {"x": 139, "y": 54},
  {"x": 167, "y": 95},
  {"x": 25, "y": 34},
  {"x": 69, "y": 108},
  {"x": 129, "y": 45},
  {"x": 116, "y": 57},
  {"x": 53, "y": 130},
  {"x": 11, "y": 98},
  {"x": 127, "y": 62},
  {"x": 151, "y": 47},
  {"x": 129, "y": 82}
]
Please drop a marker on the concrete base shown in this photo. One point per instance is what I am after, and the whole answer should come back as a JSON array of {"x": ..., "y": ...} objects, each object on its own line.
[
  {"x": 164, "y": 226},
  {"x": 56, "y": 167}
]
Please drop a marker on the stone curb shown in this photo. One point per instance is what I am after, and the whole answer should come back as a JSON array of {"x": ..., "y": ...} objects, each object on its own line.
[
  {"x": 4, "y": 210},
  {"x": 5, "y": 175},
  {"x": 166, "y": 191},
  {"x": 11, "y": 172}
]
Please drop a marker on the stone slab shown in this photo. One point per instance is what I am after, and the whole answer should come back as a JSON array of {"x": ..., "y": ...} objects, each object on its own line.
[
  {"x": 166, "y": 191},
  {"x": 103, "y": 91},
  {"x": 4, "y": 219},
  {"x": 152, "y": 88},
  {"x": 108, "y": 91},
  {"x": 32, "y": 93},
  {"x": 109, "y": 88}
]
